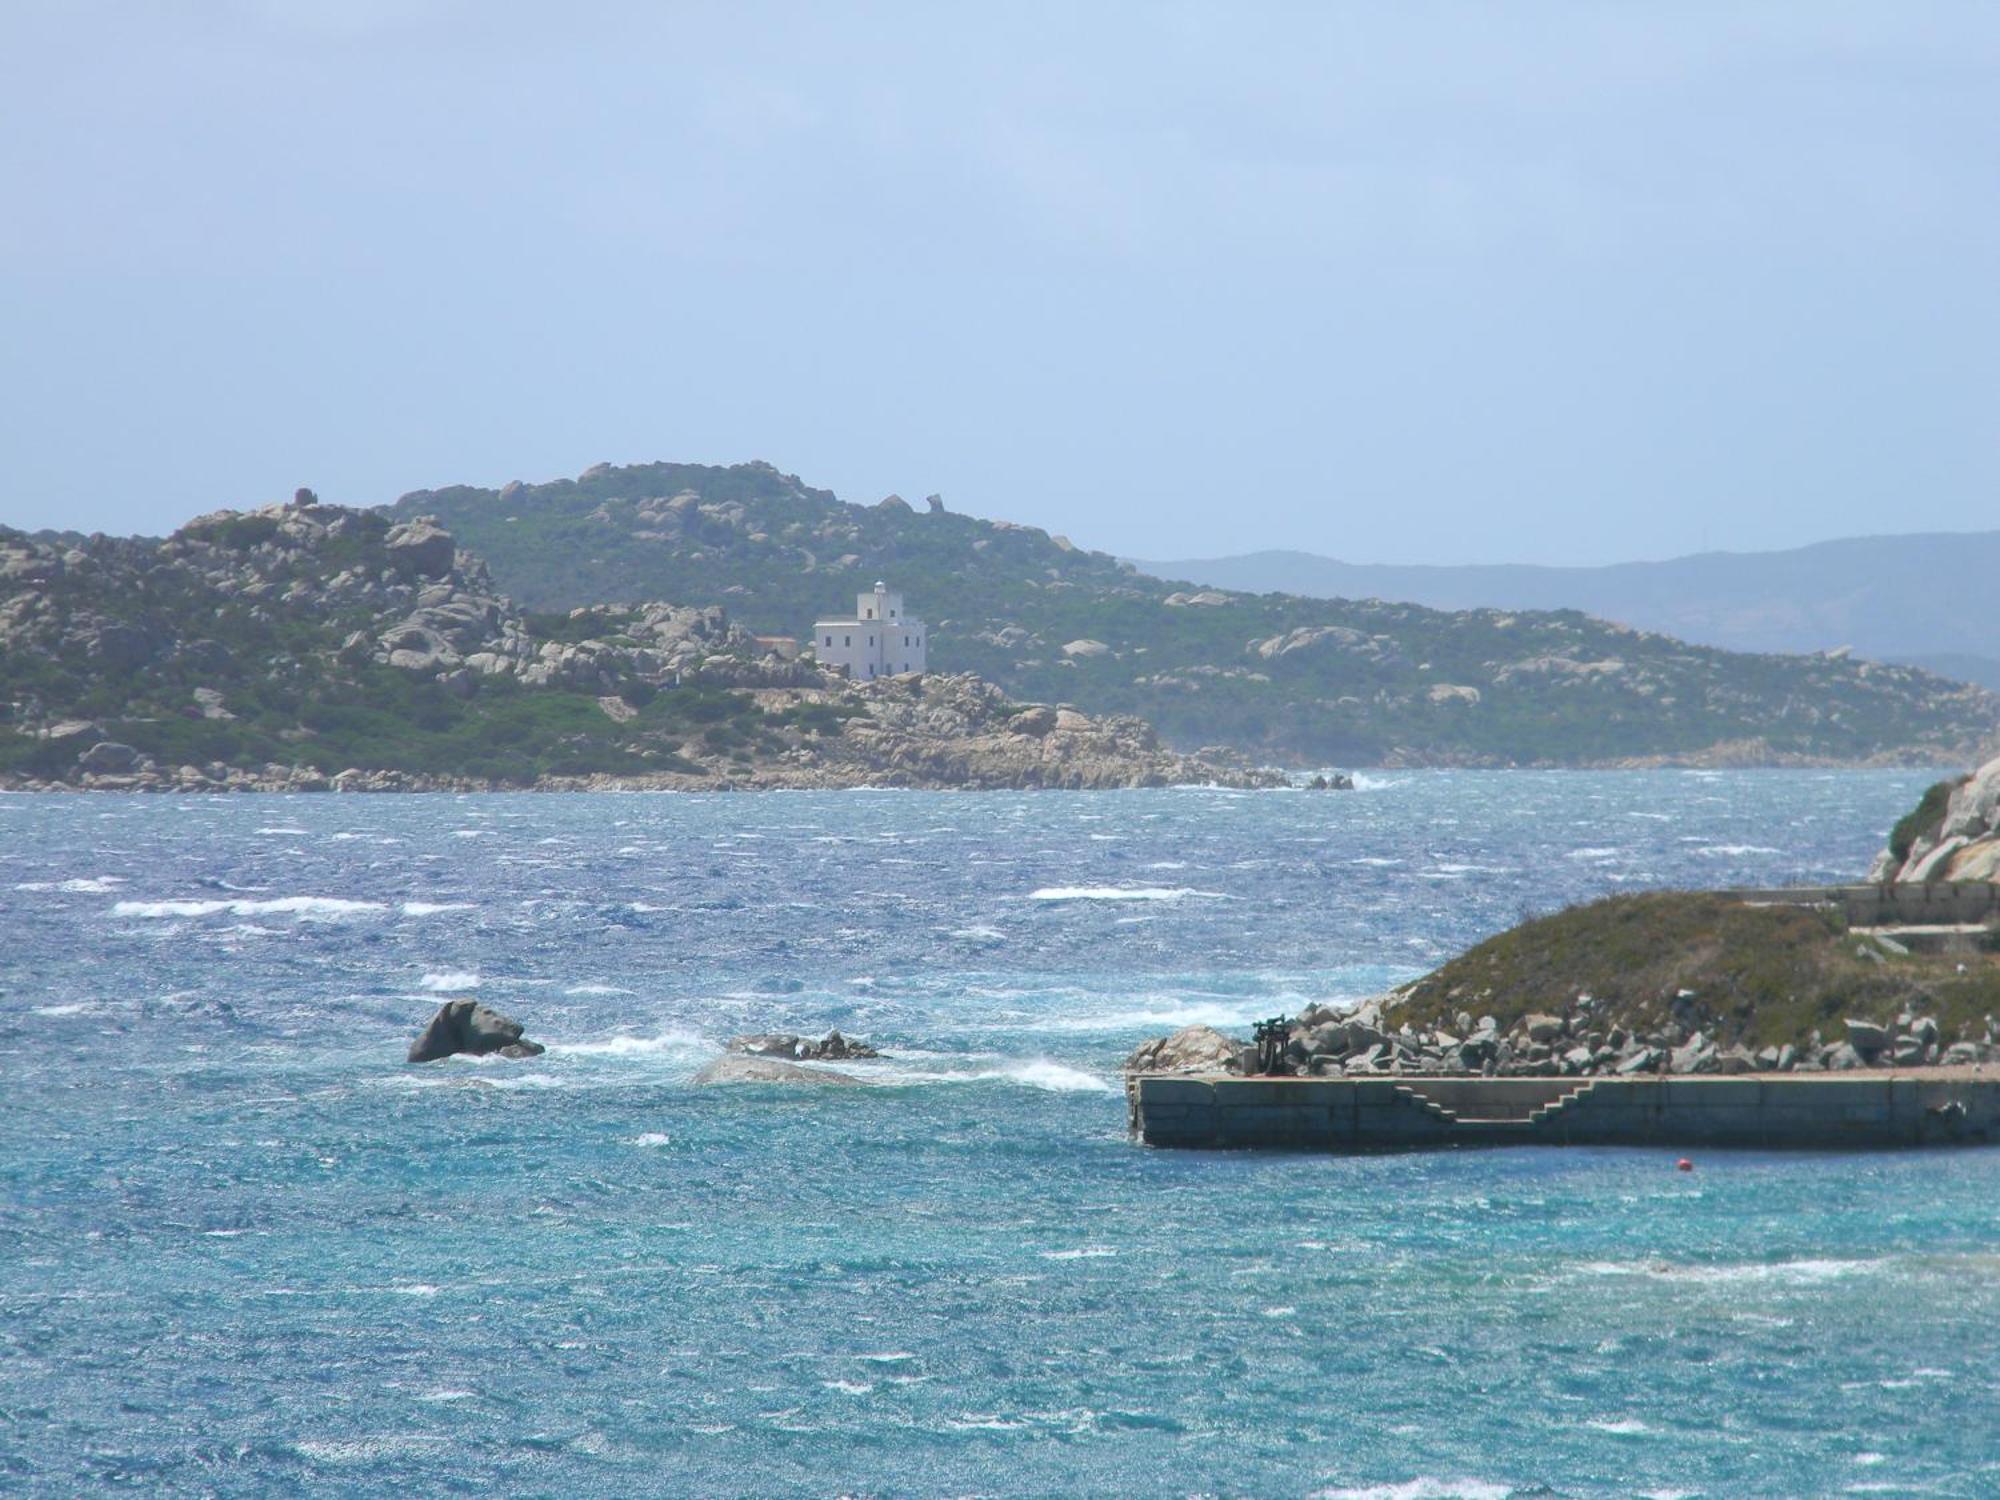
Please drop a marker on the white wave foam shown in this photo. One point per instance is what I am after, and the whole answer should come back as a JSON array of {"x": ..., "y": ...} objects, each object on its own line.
[
  {"x": 75, "y": 1008},
  {"x": 597, "y": 989},
  {"x": 1594, "y": 854},
  {"x": 652, "y": 1138},
  {"x": 451, "y": 979},
  {"x": 1119, "y": 893},
  {"x": 96, "y": 885},
  {"x": 1167, "y": 864},
  {"x": 1055, "y": 1077},
  {"x": 1082, "y": 1252},
  {"x": 1423, "y": 1487},
  {"x": 892, "y": 1357},
  {"x": 302, "y": 906},
  {"x": 849, "y": 1387},
  {"x": 1168, "y": 1018},
  {"x": 1621, "y": 1427},
  {"x": 667, "y": 1043},
  {"x": 449, "y": 1395},
  {"x": 1734, "y": 851},
  {"x": 290, "y": 832},
  {"x": 432, "y": 908},
  {"x": 1796, "y": 1272},
  {"x": 1039, "y": 1073}
]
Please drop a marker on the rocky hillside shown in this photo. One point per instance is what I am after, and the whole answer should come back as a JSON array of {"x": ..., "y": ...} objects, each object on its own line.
[
  {"x": 1953, "y": 833},
  {"x": 1300, "y": 680},
  {"x": 309, "y": 645}
]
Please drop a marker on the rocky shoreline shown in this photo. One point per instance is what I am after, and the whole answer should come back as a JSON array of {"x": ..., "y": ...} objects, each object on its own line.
[{"x": 309, "y": 647}]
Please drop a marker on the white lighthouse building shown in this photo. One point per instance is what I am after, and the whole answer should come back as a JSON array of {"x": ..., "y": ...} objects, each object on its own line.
[{"x": 880, "y": 641}]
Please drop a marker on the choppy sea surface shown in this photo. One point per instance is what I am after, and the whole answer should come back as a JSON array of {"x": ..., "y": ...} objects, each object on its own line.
[{"x": 245, "y": 1249}]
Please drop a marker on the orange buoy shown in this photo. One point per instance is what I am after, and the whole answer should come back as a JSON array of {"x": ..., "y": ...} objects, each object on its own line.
[{"x": 1684, "y": 1165}]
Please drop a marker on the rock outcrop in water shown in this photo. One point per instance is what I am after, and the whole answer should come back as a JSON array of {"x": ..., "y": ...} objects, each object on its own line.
[
  {"x": 738, "y": 1068},
  {"x": 469, "y": 1027},
  {"x": 833, "y": 1047}
]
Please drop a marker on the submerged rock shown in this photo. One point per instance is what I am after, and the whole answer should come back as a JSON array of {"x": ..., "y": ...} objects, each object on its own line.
[
  {"x": 738, "y": 1068},
  {"x": 469, "y": 1027}
]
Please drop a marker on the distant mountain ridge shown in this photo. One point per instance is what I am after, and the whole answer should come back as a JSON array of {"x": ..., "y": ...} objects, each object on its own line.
[
  {"x": 1890, "y": 598},
  {"x": 1291, "y": 678}
]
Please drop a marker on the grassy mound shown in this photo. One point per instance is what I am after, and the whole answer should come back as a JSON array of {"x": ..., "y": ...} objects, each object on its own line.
[{"x": 1750, "y": 975}]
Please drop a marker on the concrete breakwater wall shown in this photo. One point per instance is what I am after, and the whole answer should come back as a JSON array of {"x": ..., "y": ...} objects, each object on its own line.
[
  {"x": 1374, "y": 1114},
  {"x": 1938, "y": 903}
]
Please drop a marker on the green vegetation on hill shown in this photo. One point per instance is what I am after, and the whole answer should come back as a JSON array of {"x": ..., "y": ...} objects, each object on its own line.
[
  {"x": 1748, "y": 975},
  {"x": 1290, "y": 678},
  {"x": 232, "y": 643}
]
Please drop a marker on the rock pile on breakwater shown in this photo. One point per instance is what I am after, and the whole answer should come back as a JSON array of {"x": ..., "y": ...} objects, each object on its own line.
[{"x": 1323, "y": 1043}]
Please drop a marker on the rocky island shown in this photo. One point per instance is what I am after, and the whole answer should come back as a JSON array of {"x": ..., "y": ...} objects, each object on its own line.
[{"x": 312, "y": 647}]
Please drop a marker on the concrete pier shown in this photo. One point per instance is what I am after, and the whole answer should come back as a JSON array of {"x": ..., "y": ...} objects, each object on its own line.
[{"x": 1925, "y": 1107}]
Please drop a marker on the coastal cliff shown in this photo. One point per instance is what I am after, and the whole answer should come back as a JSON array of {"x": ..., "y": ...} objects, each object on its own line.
[{"x": 316, "y": 647}]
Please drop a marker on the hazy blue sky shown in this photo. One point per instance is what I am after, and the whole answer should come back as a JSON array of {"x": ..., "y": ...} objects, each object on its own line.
[{"x": 1398, "y": 282}]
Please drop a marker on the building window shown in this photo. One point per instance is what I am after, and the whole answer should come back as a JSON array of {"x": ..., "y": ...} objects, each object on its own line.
[
  {"x": 871, "y": 640},
  {"x": 869, "y": 613},
  {"x": 847, "y": 640},
  {"x": 829, "y": 640}
]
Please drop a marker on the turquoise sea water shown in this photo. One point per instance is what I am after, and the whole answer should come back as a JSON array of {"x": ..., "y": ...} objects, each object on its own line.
[{"x": 245, "y": 1250}]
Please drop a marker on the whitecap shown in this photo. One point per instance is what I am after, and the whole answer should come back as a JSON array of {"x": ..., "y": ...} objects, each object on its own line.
[
  {"x": 1423, "y": 1487},
  {"x": 1594, "y": 854},
  {"x": 415, "y": 1289},
  {"x": 627, "y": 1045},
  {"x": 288, "y": 832},
  {"x": 1734, "y": 851},
  {"x": 449, "y": 1395},
  {"x": 1798, "y": 1272},
  {"x": 451, "y": 979},
  {"x": 74, "y": 1008},
  {"x": 596, "y": 989},
  {"x": 891, "y": 1357},
  {"x": 849, "y": 1387},
  {"x": 303, "y": 906},
  {"x": 1620, "y": 1427},
  {"x": 432, "y": 908},
  {"x": 1038, "y": 1074},
  {"x": 1118, "y": 893},
  {"x": 652, "y": 1138},
  {"x": 1086, "y": 1252},
  {"x": 96, "y": 885},
  {"x": 363, "y": 1450}
]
